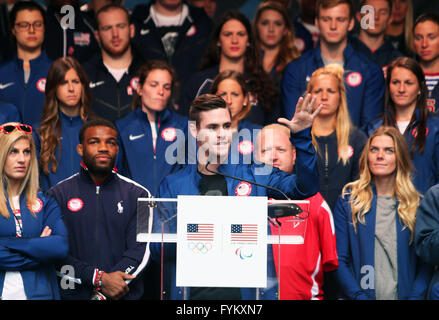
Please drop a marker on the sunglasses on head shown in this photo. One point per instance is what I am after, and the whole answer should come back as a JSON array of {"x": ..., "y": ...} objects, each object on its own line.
[{"x": 11, "y": 127}]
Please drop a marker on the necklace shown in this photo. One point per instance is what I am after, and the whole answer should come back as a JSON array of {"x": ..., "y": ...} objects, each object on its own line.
[{"x": 158, "y": 21}]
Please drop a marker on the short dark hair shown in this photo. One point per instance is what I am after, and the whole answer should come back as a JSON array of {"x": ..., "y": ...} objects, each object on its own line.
[
  {"x": 326, "y": 4},
  {"x": 205, "y": 102},
  {"x": 95, "y": 123},
  {"x": 25, "y": 5},
  {"x": 429, "y": 16},
  {"x": 389, "y": 3},
  {"x": 109, "y": 7},
  {"x": 143, "y": 73}
]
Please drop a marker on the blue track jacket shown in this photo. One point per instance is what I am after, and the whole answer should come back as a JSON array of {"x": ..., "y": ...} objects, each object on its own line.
[
  {"x": 426, "y": 165},
  {"x": 187, "y": 180},
  {"x": 28, "y": 98},
  {"x": 101, "y": 221},
  {"x": 364, "y": 83},
  {"x": 427, "y": 235},
  {"x": 137, "y": 157},
  {"x": 112, "y": 99},
  {"x": 32, "y": 255},
  {"x": 356, "y": 251},
  {"x": 68, "y": 158},
  {"x": 9, "y": 113}
]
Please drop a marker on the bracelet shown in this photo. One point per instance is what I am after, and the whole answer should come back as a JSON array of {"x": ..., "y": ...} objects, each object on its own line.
[{"x": 98, "y": 280}]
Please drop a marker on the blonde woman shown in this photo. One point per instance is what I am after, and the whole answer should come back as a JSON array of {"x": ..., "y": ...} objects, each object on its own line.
[
  {"x": 374, "y": 222},
  {"x": 26, "y": 217},
  {"x": 337, "y": 142}
]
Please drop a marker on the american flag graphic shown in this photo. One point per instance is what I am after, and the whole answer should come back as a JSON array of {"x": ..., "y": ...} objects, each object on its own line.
[
  {"x": 200, "y": 232},
  {"x": 81, "y": 38},
  {"x": 244, "y": 232}
]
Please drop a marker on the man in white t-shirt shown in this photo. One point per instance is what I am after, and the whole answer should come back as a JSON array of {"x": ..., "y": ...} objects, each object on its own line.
[
  {"x": 112, "y": 73},
  {"x": 426, "y": 41}
]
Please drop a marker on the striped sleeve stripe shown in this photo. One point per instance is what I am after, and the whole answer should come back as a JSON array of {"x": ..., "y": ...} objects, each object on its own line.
[
  {"x": 147, "y": 251},
  {"x": 331, "y": 219}
]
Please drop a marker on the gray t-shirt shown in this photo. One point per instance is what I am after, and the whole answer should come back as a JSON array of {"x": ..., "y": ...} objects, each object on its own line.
[{"x": 386, "y": 258}]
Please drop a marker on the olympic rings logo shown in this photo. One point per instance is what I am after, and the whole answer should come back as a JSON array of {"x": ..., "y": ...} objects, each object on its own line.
[{"x": 200, "y": 247}]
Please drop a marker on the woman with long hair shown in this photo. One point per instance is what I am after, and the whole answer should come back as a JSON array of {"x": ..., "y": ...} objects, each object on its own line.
[
  {"x": 274, "y": 37},
  {"x": 32, "y": 234},
  {"x": 232, "y": 47},
  {"x": 231, "y": 86},
  {"x": 337, "y": 141},
  {"x": 406, "y": 109},
  {"x": 400, "y": 29},
  {"x": 375, "y": 222},
  {"x": 66, "y": 109},
  {"x": 151, "y": 127}
]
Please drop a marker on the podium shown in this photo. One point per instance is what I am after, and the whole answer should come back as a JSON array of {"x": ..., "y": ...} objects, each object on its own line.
[{"x": 220, "y": 242}]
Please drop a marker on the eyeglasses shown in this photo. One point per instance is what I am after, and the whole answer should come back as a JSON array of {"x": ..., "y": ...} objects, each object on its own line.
[
  {"x": 37, "y": 25},
  {"x": 11, "y": 127}
]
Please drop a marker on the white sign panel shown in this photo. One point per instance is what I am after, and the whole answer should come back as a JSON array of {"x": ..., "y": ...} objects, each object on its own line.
[{"x": 222, "y": 241}]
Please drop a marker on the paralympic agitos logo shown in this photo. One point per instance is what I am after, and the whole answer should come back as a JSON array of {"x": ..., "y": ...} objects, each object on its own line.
[{"x": 243, "y": 253}]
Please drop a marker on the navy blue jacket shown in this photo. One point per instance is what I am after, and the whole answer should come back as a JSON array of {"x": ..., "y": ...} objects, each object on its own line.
[
  {"x": 383, "y": 56},
  {"x": 111, "y": 99},
  {"x": 28, "y": 98},
  {"x": 101, "y": 222},
  {"x": 31, "y": 254},
  {"x": 426, "y": 165},
  {"x": 137, "y": 157},
  {"x": 427, "y": 235},
  {"x": 333, "y": 174},
  {"x": 79, "y": 42},
  {"x": 356, "y": 251},
  {"x": 9, "y": 113},
  {"x": 303, "y": 36},
  {"x": 191, "y": 42},
  {"x": 364, "y": 82},
  {"x": 68, "y": 158},
  {"x": 187, "y": 182}
]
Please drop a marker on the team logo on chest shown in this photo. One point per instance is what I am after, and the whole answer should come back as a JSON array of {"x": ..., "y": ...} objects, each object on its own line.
[
  {"x": 75, "y": 204},
  {"x": 120, "y": 207},
  {"x": 37, "y": 206},
  {"x": 169, "y": 134},
  {"x": 415, "y": 132},
  {"x": 192, "y": 30},
  {"x": 243, "y": 189},
  {"x": 41, "y": 85},
  {"x": 354, "y": 79},
  {"x": 349, "y": 151},
  {"x": 245, "y": 147}
]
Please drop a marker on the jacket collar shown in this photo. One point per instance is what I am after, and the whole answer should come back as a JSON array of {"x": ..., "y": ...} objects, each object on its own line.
[
  {"x": 347, "y": 54},
  {"x": 85, "y": 175},
  {"x": 161, "y": 117}
]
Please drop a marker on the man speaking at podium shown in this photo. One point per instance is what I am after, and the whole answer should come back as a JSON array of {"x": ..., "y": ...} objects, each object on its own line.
[{"x": 212, "y": 175}]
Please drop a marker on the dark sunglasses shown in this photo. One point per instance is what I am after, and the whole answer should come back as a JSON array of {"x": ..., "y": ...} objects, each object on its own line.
[{"x": 11, "y": 127}]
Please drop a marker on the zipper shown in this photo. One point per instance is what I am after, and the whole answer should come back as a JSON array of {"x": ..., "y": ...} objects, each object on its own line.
[
  {"x": 326, "y": 170},
  {"x": 97, "y": 227}
]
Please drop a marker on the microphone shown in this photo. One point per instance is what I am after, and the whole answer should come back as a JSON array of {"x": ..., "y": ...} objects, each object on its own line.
[{"x": 274, "y": 211}]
